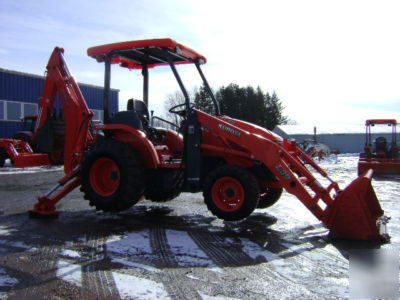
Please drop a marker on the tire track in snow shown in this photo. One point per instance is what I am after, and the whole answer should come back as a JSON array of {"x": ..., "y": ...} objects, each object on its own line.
[
  {"x": 172, "y": 277},
  {"x": 42, "y": 268},
  {"x": 95, "y": 281},
  {"x": 241, "y": 259}
]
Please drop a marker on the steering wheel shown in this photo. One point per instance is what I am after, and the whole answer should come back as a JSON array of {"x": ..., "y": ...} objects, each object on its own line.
[{"x": 179, "y": 109}]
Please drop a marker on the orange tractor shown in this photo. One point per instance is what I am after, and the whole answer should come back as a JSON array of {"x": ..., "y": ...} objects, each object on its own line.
[
  {"x": 382, "y": 156},
  {"x": 42, "y": 138},
  {"x": 238, "y": 166},
  {"x": 48, "y": 138}
]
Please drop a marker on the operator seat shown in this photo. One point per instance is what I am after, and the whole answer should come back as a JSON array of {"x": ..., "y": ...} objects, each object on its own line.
[
  {"x": 381, "y": 146},
  {"x": 156, "y": 135},
  {"x": 141, "y": 110},
  {"x": 128, "y": 117}
]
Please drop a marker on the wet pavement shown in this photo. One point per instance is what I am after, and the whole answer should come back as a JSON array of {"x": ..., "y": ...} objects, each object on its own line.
[{"x": 174, "y": 250}]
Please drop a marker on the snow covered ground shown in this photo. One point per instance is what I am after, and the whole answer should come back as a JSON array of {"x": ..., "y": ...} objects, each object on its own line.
[{"x": 178, "y": 250}]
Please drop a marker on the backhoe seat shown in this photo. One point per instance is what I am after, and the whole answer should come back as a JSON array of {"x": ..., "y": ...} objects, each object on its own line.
[
  {"x": 129, "y": 118},
  {"x": 139, "y": 108},
  {"x": 142, "y": 111}
]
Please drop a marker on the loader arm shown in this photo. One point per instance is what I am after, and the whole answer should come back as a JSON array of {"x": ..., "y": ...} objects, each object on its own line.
[
  {"x": 76, "y": 112},
  {"x": 352, "y": 213}
]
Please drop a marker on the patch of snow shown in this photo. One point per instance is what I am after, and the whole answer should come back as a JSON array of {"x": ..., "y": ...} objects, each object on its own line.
[
  {"x": 82, "y": 238},
  {"x": 69, "y": 272},
  {"x": 135, "y": 265},
  {"x": 207, "y": 297},
  {"x": 4, "y": 230},
  {"x": 70, "y": 253},
  {"x": 186, "y": 251},
  {"x": 6, "y": 280},
  {"x": 192, "y": 277},
  {"x": 216, "y": 270},
  {"x": 133, "y": 243},
  {"x": 8, "y": 169},
  {"x": 15, "y": 244},
  {"x": 337, "y": 286},
  {"x": 290, "y": 271},
  {"x": 255, "y": 251},
  {"x": 296, "y": 248},
  {"x": 132, "y": 287}
]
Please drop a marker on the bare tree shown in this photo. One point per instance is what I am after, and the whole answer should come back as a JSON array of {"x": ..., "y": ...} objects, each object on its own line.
[{"x": 173, "y": 99}]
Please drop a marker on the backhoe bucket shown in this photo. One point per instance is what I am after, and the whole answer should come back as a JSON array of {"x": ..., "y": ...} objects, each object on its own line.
[{"x": 356, "y": 213}]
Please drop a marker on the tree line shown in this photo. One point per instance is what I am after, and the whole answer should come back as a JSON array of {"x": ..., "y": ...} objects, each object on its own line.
[{"x": 245, "y": 103}]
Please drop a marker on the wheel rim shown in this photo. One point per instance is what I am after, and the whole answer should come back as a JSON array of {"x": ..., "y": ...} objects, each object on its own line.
[
  {"x": 228, "y": 194},
  {"x": 104, "y": 176}
]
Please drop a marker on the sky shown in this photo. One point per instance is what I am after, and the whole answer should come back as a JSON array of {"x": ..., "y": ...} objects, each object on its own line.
[{"x": 330, "y": 62}]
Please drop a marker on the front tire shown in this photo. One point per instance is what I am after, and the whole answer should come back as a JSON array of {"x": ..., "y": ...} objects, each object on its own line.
[
  {"x": 231, "y": 193},
  {"x": 112, "y": 177},
  {"x": 269, "y": 197}
]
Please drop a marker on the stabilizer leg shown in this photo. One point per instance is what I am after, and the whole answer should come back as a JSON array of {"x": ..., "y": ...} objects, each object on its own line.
[{"x": 46, "y": 205}]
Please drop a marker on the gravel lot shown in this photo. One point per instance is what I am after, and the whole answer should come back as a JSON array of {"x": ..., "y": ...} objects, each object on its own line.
[{"x": 175, "y": 250}]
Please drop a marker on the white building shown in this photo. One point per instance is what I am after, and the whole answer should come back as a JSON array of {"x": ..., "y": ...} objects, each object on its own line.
[{"x": 345, "y": 139}]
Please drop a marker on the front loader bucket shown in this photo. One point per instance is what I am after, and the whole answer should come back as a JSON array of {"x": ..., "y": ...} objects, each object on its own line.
[{"x": 356, "y": 212}]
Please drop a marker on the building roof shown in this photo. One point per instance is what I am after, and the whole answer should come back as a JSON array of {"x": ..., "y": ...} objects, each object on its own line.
[
  {"x": 331, "y": 129},
  {"x": 42, "y": 77}
]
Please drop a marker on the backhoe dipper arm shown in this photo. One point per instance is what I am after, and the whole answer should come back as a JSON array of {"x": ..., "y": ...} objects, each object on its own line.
[
  {"x": 76, "y": 112},
  {"x": 77, "y": 135}
]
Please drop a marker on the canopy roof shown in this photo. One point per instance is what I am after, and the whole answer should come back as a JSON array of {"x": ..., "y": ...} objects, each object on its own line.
[
  {"x": 136, "y": 54},
  {"x": 380, "y": 122}
]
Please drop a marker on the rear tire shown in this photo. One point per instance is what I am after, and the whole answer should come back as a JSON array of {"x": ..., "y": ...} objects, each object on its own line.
[
  {"x": 231, "y": 193},
  {"x": 112, "y": 177},
  {"x": 269, "y": 197}
]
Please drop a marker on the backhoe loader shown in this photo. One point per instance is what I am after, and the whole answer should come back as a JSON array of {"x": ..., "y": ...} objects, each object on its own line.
[{"x": 238, "y": 166}]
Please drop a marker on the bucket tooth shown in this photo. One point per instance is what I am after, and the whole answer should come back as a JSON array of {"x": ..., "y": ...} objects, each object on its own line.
[{"x": 356, "y": 212}]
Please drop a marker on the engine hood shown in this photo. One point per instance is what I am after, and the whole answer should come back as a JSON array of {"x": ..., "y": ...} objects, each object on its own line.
[{"x": 252, "y": 128}]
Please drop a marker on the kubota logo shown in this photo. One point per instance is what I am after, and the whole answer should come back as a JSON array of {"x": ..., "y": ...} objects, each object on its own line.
[{"x": 229, "y": 130}]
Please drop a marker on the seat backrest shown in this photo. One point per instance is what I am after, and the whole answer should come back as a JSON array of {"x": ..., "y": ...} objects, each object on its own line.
[
  {"x": 380, "y": 144},
  {"x": 129, "y": 118},
  {"x": 141, "y": 109}
]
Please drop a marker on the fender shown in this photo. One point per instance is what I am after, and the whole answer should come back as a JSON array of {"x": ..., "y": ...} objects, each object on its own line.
[{"x": 136, "y": 139}]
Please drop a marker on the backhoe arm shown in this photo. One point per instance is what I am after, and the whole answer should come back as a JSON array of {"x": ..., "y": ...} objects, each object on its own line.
[
  {"x": 76, "y": 112},
  {"x": 77, "y": 135}
]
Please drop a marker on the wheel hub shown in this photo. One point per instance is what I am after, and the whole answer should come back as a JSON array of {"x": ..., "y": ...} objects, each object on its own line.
[
  {"x": 114, "y": 176},
  {"x": 105, "y": 176},
  {"x": 228, "y": 194}
]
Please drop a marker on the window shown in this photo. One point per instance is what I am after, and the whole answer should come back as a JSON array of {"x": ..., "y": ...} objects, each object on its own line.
[
  {"x": 97, "y": 115},
  {"x": 2, "y": 109},
  {"x": 13, "y": 111},
  {"x": 30, "y": 109}
]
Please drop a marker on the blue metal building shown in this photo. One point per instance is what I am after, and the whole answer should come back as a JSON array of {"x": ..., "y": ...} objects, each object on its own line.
[{"x": 20, "y": 92}]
